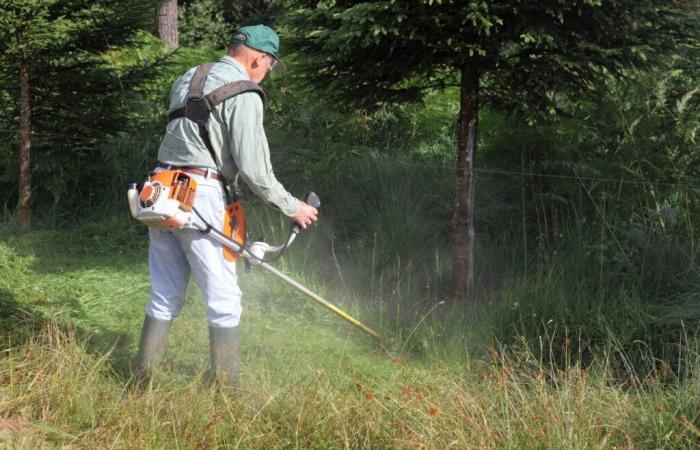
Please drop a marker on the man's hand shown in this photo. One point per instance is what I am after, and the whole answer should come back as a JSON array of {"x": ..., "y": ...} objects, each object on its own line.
[{"x": 306, "y": 215}]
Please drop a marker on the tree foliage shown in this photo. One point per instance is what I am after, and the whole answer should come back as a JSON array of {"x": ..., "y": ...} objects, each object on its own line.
[
  {"x": 203, "y": 23},
  {"x": 368, "y": 52},
  {"x": 211, "y": 22},
  {"x": 78, "y": 95}
]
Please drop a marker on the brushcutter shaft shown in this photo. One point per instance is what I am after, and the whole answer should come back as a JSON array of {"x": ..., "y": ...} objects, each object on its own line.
[
  {"x": 254, "y": 260},
  {"x": 301, "y": 288}
]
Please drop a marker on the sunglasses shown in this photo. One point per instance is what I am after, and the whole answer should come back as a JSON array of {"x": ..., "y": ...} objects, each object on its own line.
[{"x": 273, "y": 64}]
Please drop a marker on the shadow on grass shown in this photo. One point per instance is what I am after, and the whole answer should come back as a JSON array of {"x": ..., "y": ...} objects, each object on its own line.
[{"x": 21, "y": 323}]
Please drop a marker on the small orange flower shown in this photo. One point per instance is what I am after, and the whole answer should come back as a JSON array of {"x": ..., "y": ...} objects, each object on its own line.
[
  {"x": 369, "y": 395},
  {"x": 433, "y": 410}
]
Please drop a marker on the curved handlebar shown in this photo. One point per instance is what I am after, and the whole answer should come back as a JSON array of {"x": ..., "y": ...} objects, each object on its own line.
[{"x": 312, "y": 200}]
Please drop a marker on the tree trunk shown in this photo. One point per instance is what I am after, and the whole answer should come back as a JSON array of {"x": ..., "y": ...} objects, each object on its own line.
[
  {"x": 167, "y": 24},
  {"x": 25, "y": 143},
  {"x": 463, "y": 218}
]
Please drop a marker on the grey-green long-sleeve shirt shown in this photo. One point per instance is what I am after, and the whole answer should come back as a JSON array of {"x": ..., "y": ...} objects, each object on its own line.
[{"x": 236, "y": 132}]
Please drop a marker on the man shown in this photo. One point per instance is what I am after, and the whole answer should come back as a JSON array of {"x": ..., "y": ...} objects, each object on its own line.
[{"x": 238, "y": 146}]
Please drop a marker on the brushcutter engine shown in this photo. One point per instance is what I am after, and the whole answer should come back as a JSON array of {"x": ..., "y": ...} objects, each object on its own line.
[{"x": 165, "y": 200}]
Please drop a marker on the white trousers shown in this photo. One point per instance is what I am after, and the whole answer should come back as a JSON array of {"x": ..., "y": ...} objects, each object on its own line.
[{"x": 175, "y": 254}]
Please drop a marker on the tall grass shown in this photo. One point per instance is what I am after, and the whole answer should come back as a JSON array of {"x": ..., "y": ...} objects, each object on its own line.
[{"x": 53, "y": 393}]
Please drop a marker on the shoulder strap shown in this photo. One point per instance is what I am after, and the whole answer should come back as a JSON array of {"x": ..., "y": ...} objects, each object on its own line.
[
  {"x": 215, "y": 97},
  {"x": 232, "y": 89},
  {"x": 197, "y": 82}
]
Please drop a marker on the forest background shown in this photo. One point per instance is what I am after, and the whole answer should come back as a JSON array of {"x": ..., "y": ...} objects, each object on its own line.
[{"x": 580, "y": 330}]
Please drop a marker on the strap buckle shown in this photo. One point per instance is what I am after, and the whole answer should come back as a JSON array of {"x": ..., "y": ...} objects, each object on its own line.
[{"x": 197, "y": 110}]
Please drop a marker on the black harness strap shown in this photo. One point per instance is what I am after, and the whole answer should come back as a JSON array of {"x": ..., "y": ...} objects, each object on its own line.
[
  {"x": 199, "y": 107},
  {"x": 220, "y": 94},
  {"x": 197, "y": 82},
  {"x": 232, "y": 89}
]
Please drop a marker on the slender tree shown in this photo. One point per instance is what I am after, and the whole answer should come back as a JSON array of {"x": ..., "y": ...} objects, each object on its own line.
[
  {"x": 24, "y": 186},
  {"x": 512, "y": 54},
  {"x": 167, "y": 23},
  {"x": 26, "y": 30}
]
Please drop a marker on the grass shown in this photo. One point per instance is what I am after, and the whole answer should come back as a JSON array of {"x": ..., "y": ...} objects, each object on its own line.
[
  {"x": 72, "y": 303},
  {"x": 53, "y": 393}
]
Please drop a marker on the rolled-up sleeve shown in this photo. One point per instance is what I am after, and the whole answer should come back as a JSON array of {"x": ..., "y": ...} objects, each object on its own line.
[{"x": 251, "y": 153}]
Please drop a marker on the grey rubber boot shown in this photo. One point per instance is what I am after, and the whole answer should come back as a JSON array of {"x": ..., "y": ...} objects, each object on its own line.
[
  {"x": 154, "y": 338},
  {"x": 224, "y": 351}
]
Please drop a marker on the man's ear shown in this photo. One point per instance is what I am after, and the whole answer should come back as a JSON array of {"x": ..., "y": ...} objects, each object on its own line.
[{"x": 256, "y": 61}]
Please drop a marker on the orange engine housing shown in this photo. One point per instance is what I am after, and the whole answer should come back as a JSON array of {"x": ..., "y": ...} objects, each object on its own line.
[
  {"x": 181, "y": 188},
  {"x": 165, "y": 200}
]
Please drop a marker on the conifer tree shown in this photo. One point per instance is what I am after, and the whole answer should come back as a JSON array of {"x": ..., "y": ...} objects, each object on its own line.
[
  {"x": 54, "y": 71},
  {"x": 511, "y": 54}
]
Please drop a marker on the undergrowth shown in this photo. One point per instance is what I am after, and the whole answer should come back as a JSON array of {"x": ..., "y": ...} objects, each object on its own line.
[
  {"x": 514, "y": 371},
  {"x": 53, "y": 392}
]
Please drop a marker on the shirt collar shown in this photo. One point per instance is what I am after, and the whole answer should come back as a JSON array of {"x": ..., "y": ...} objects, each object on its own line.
[{"x": 226, "y": 59}]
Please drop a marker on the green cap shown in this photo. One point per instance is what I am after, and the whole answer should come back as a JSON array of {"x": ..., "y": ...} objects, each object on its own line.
[{"x": 259, "y": 37}]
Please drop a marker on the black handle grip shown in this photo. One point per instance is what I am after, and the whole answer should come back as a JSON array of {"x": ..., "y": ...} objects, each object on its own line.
[{"x": 312, "y": 200}]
